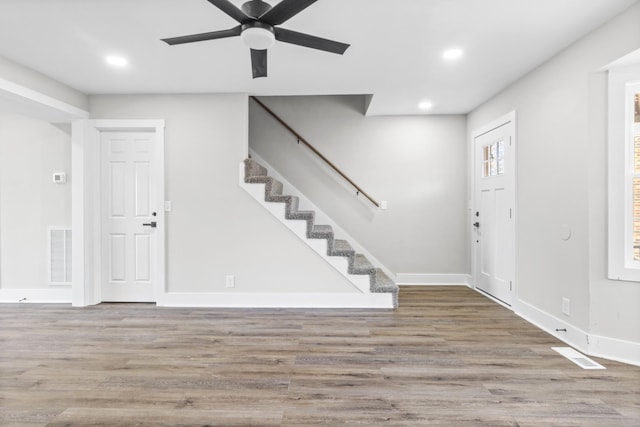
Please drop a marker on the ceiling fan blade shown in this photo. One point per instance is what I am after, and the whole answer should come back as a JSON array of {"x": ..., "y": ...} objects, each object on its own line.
[
  {"x": 285, "y": 10},
  {"x": 307, "y": 40},
  {"x": 235, "y": 31},
  {"x": 259, "y": 63},
  {"x": 230, "y": 9}
]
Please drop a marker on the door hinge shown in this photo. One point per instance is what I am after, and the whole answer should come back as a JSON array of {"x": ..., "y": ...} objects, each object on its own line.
[
  {"x": 510, "y": 285},
  {"x": 510, "y": 213}
]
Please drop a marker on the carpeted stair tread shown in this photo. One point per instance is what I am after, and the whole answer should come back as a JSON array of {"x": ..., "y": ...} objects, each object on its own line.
[
  {"x": 301, "y": 215},
  {"x": 257, "y": 179},
  {"x": 293, "y": 212},
  {"x": 253, "y": 169},
  {"x": 361, "y": 265},
  {"x": 278, "y": 199},
  {"x": 383, "y": 283},
  {"x": 342, "y": 248},
  {"x": 321, "y": 232}
]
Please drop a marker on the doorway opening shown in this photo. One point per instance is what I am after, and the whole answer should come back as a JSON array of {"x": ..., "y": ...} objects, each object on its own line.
[{"x": 118, "y": 203}]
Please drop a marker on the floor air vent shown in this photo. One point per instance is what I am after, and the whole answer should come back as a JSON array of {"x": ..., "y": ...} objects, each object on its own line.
[{"x": 578, "y": 358}]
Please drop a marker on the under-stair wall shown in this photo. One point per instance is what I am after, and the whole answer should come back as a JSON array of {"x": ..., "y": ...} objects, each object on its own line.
[
  {"x": 417, "y": 164},
  {"x": 374, "y": 287}
]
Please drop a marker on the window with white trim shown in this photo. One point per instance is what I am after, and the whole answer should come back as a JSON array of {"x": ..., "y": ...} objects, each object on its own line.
[{"x": 624, "y": 173}]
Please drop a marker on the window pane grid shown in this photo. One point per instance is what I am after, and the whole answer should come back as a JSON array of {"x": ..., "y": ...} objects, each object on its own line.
[
  {"x": 636, "y": 217},
  {"x": 493, "y": 159},
  {"x": 636, "y": 187}
]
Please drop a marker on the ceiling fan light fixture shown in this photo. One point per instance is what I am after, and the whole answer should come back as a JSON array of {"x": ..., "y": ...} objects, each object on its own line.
[{"x": 258, "y": 38}]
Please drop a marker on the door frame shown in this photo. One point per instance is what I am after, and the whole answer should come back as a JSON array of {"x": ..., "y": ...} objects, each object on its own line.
[
  {"x": 501, "y": 121},
  {"x": 86, "y": 205}
]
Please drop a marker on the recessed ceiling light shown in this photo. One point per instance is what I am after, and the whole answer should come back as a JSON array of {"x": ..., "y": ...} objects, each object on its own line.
[
  {"x": 116, "y": 61},
  {"x": 452, "y": 54},
  {"x": 425, "y": 105}
]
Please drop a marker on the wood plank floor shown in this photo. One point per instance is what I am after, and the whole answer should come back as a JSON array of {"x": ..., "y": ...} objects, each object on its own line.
[{"x": 448, "y": 356}]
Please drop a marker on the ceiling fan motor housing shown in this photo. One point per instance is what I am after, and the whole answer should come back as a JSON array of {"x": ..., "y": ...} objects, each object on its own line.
[{"x": 255, "y": 8}]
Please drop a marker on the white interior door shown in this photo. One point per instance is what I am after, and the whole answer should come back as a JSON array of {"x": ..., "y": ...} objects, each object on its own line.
[
  {"x": 129, "y": 216},
  {"x": 494, "y": 214}
]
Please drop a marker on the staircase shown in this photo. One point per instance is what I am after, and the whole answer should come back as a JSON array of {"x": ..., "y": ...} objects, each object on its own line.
[{"x": 357, "y": 269}]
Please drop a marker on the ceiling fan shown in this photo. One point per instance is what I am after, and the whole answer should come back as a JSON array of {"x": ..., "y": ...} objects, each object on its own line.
[{"x": 258, "y": 30}]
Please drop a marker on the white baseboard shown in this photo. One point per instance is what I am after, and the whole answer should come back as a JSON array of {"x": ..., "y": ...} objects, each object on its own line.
[
  {"x": 573, "y": 336},
  {"x": 614, "y": 349},
  {"x": 58, "y": 295},
  {"x": 592, "y": 345},
  {"x": 418, "y": 279},
  {"x": 277, "y": 300}
]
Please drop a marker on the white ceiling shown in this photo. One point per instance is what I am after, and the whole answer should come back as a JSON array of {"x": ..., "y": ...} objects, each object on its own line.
[{"x": 395, "y": 54}]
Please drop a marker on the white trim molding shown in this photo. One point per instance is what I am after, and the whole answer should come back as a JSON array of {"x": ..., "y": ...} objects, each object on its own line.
[
  {"x": 592, "y": 345},
  {"x": 38, "y": 105},
  {"x": 57, "y": 295},
  {"x": 621, "y": 265},
  {"x": 614, "y": 349},
  {"x": 278, "y": 300},
  {"x": 425, "y": 279}
]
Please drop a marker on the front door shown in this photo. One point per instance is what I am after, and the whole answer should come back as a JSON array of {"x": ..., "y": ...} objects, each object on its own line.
[
  {"x": 494, "y": 213},
  {"x": 129, "y": 216}
]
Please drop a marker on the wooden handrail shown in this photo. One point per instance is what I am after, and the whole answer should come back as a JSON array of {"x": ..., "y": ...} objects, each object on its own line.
[{"x": 300, "y": 138}]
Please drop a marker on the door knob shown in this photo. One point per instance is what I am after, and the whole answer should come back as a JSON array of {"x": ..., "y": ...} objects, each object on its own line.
[
  {"x": 151, "y": 224},
  {"x": 476, "y": 224}
]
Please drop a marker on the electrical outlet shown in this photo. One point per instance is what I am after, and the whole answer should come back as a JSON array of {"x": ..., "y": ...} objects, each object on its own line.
[
  {"x": 230, "y": 281},
  {"x": 566, "y": 306},
  {"x": 383, "y": 205}
]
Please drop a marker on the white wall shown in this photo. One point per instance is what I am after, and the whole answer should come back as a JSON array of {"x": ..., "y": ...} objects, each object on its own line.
[
  {"x": 561, "y": 133},
  {"x": 416, "y": 163},
  {"x": 30, "y": 152},
  {"x": 215, "y": 228}
]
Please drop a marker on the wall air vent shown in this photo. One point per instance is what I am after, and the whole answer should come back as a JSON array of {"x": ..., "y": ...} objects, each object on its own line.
[{"x": 59, "y": 256}]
